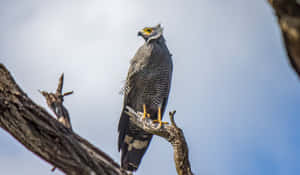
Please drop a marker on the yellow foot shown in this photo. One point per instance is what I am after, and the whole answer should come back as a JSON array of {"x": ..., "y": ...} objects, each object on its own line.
[
  {"x": 145, "y": 114},
  {"x": 160, "y": 122},
  {"x": 159, "y": 118}
]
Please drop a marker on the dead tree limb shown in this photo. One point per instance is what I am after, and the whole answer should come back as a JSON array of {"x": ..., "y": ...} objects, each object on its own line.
[
  {"x": 55, "y": 142},
  {"x": 171, "y": 133},
  {"x": 55, "y": 103},
  {"x": 43, "y": 135},
  {"x": 288, "y": 15}
]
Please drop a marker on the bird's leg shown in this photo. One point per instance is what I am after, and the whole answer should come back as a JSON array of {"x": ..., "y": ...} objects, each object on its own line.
[
  {"x": 145, "y": 112},
  {"x": 159, "y": 118}
]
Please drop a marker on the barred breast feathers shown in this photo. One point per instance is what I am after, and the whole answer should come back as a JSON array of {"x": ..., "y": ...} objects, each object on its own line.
[{"x": 153, "y": 54}]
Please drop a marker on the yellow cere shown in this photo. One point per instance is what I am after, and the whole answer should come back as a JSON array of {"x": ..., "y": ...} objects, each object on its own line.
[{"x": 147, "y": 31}]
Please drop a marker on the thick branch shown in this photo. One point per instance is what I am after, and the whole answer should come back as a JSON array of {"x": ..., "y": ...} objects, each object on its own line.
[
  {"x": 288, "y": 14},
  {"x": 40, "y": 133},
  {"x": 171, "y": 133}
]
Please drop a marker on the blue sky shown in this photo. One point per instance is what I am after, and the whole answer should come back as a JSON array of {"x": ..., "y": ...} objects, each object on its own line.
[{"x": 237, "y": 99}]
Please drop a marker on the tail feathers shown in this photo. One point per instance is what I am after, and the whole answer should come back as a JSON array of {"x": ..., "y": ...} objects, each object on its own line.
[
  {"x": 122, "y": 129},
  {"x": 133, "y": 143},
  {"x": 133, "y": 151}
]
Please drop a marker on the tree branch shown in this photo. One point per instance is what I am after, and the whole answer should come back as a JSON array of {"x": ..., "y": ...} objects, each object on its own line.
[
  {"x": 171, "y": 133},
  {"x": 40, "y": 133},
  {"x": 288, "y": 15},
  {"x": 55, "y": 103},
  {"x": 55, "y": 142}
]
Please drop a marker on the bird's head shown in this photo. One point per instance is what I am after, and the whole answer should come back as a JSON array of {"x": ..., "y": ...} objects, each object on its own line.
[{"x": 151, "y": 33}]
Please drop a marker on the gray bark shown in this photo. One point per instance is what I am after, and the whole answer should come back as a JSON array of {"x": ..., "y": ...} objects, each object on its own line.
[
  {"x": 172, "y": 133},
  {"x": 43, "y": 135},
  {"x": 54, "y": 140}
]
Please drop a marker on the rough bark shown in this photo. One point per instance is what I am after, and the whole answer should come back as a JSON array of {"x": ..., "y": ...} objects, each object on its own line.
[
  {"x": 54, "y": 140},
  {"x": 171, "y": 133},
  {"x": 288, "y": 15},
  {"x": 43, "y": 135}
]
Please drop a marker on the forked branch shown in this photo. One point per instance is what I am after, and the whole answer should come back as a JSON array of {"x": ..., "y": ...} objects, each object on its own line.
[
  {"x": 171, "y": 133},
  {"x": 43, "y": 135},
  {"x": 55, "y": 103}
]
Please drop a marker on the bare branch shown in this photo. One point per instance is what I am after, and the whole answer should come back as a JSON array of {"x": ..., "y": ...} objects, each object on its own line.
[
  {"x": 40, "y": 133},
  {"x": 60, "y": 84},
  {"x": 54, "y": 140},
  {"x": 55, "y": 103},
  {"x": 171, "y": 133}
]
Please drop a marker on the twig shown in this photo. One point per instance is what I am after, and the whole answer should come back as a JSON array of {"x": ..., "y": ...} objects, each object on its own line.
[{"x": 55, "y": 103}]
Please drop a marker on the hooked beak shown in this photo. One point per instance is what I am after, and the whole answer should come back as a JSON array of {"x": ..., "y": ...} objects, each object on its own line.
[{"x": 140, "y": 33}]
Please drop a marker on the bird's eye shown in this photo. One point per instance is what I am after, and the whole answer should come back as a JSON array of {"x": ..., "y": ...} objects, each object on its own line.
[{"x": 148, "y": 30}]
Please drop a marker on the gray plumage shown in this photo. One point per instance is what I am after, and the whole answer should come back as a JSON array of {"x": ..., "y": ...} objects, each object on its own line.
[{"x": 148, "y": 82}]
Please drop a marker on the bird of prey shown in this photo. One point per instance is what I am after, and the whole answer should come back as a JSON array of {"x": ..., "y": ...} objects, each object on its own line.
[{"x": 146, "y": 89}]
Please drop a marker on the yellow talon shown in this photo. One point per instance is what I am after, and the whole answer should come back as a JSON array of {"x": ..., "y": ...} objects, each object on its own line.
[
  {"x": 159, "y": 118},
  {"x": 145, "y": 112}
]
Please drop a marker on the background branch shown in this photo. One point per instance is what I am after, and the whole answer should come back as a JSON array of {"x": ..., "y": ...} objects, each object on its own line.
[{"x": 288, "y": 15}]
